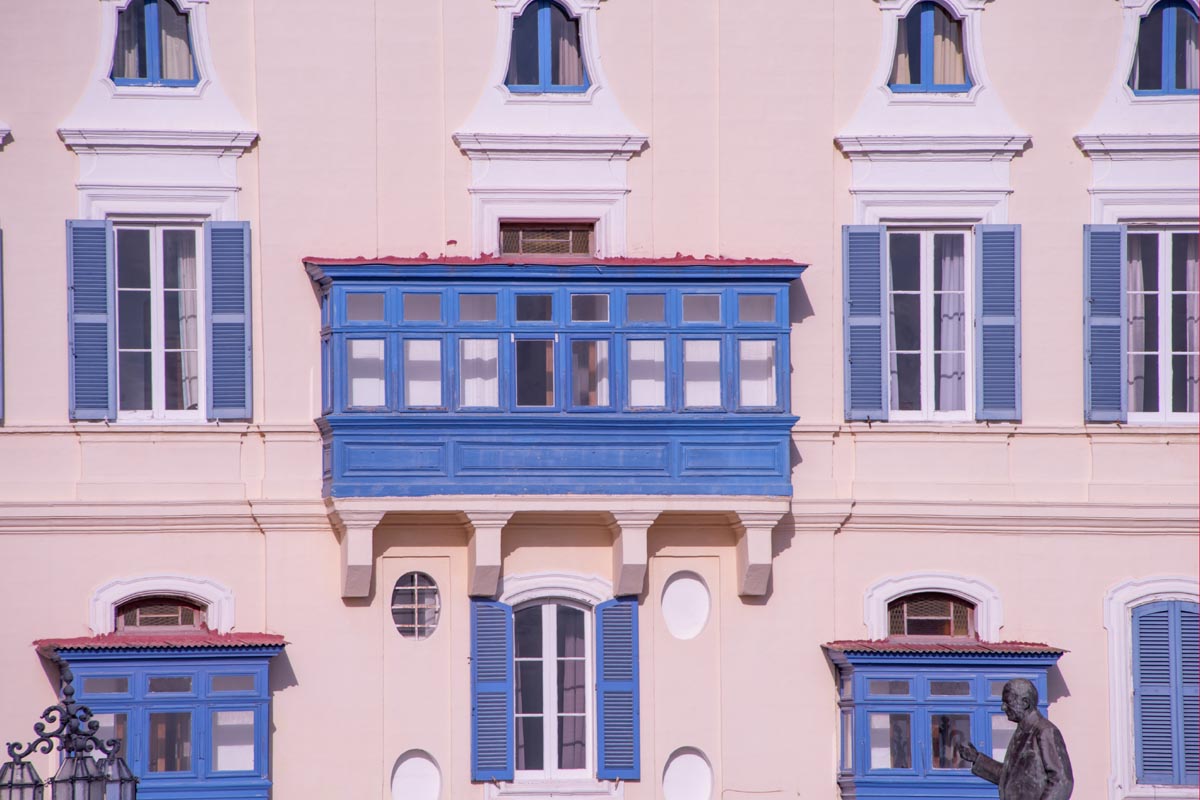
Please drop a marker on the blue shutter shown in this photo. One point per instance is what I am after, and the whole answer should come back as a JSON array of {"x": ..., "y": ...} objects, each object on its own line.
[
  {"x": 227, "y": 245},
  {"x": 1104, "y": 364},
  {"x": 998, "y": 322},
  {"x": 91, "y": 319},
  {"x": 491, "y": 691},
  {"x": 864, "y": 291},
  {"x": 1166, "y": 647},
  {"x": 1189, "y": 667},
  {"x": 617, "y": 702}
]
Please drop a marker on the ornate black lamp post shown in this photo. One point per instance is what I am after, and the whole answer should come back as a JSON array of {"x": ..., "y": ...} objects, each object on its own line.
[{"x": 81, "y": 776}]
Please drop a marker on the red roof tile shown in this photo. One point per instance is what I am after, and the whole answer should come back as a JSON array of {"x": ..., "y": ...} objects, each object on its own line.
[
  {"x": 678, "y": 259},
  {"x": 141, "y": 641},
  {"x": 970, "y": 646}
]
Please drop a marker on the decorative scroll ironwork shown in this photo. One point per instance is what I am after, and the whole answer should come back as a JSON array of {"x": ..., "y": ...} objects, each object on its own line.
[{"x": 68, "y": 722}]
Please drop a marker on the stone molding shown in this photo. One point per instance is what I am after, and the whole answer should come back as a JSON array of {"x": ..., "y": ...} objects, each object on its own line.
[
  {"x": 989, "y": 611},
  {"x": 217, "y": 599}
]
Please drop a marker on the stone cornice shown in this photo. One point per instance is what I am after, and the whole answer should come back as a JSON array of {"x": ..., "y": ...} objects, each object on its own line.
[
  {"x": 966, "y": 518},
  {"x": 932, "y": 147},
  {"x": 162, "y": 517},
  {"x": 114, "y": 140},
  {"x": 1139, "y": 146},
  {"x": 490, "y": 146}
]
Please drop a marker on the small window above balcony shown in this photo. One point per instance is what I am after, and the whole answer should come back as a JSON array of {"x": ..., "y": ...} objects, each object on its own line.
[{"x": 542, "y": 240}]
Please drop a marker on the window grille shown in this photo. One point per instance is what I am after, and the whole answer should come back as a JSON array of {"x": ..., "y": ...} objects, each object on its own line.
[
  {"x": 931, "y": 614},
  {"x": 416, "y": 605},
  {"x": 157, "y": 614},
  {"x": 572, "y": 240}
]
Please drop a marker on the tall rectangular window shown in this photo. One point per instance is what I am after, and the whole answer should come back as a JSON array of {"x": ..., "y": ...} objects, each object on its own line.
[
  {"x": 479, "y": 373},
  {"x": 702, "y": 373},
  {"x": 170, "y": 742},
  {"x": 928, "y": 298},
  {"x": 535, "y": 372},
  {"x": 1163, "y": 324},
  {"x": 422, "y": 372},
  {"x": 589, "y": 373},
  {"x": 159, "y": 355},
  {"x": 756, "y": 373},
  {"x": 647, "y": 373}
]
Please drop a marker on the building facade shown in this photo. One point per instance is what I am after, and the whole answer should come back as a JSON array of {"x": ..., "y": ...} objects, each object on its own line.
[{"x": 596, "y": 398}]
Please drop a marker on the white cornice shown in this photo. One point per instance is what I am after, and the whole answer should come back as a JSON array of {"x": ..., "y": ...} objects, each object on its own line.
[
  {"x": 958, "y": 517},
  {"x": 115, "y": 140},
  {"x": 933, "y": 147},
  {"x": 162, "y": 517},
  {"x": 549, "y": 146},
  {"x": 1139, "y": 146}
]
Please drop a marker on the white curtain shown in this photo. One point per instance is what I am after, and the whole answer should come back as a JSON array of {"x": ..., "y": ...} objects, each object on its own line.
[
  {"x": 701, "y": 373},
  {"x": 950, "y": 326},
  {"x": 901, "y": 70},
  {"x": 1187, "y": 50},
  {"x": 176, "y": 52},
  {"x": 366, "y": 373},
  {"x": 947, "y": 49},
  {"x": 1192, "y": 337},
  {"x": 130, "y": 26},
  {"x": 647, "y": 373},
  {"x": 185, "y": 253},
  {"x": 422, "y": 372},
  {"x": 479, "y": 371},
  {"x": 564, "y": 38},
  {"x": 233, "y": 740},
  {"x": 756, "y": 371},
  {"x": 1136, "y": 343}
]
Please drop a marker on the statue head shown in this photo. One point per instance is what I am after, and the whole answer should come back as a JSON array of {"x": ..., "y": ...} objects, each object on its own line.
[{"x": 1019, "y": 697}]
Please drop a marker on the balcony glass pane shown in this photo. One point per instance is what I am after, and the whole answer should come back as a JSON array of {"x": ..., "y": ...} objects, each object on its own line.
[
  {"x": 701, "y": 308},
  {"x": 589, "y": 373},
  {"x": 946, "y": 732},
  {"x": 1002, "y": 733},
  {"x": 232, "y": 683},
  {"x": 702, "y": 374},
  {"x": 364, "y": 306},
  {"x": 891, "y": 741},
  {"x": 589, "y": 308},
  {"x": 645, "y": 308},
  {"x": 535, "y": 372},
  {"x": 477, "y": 307},
  {"x": 170, "y": 741},
  {"x": 889, "y": 688},
  {"x": 366, "y": 373},
  {"x": 756, "y": 308},
  {"x": 647, "y": 373},
  {"x": 106, "y": 685},
  {"x": 535, "y": 307},
  {"x": 233, "y": 741},
  {"x": 172, "y": 684},
  {"x": 422, "y": 307},
  {"x": 756, "y": 374},
  {"x": 422, "y": 372},
  {"x": 479, "y": 373}
]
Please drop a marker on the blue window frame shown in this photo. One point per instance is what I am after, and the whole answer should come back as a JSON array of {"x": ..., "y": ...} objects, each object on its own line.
[
  {"x": 153, "y": 46},
  {"x": 588, "y": 378},
  {"x": 1166, "y": 59},
  {"x": 930, "y": 56},
  {"x": 546, "y": 54},
  {"x": 903, "y": 712},
  {"x": 193, "y": 721}
]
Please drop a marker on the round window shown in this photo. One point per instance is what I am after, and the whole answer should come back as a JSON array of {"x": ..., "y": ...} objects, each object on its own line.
[{"x": 416, "y": 605}]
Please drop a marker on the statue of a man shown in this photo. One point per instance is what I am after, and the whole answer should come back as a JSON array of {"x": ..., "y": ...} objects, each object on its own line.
[{"x": 1036, "y": 765}]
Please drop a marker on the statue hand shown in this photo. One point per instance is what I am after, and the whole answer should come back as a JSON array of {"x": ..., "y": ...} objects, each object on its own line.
[{"x": 967, "y": 752}]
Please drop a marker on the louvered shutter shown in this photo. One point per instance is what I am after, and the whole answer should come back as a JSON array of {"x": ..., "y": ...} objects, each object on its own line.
[
  {"x": 1166, "y": 649},
  {"x": 91, "y": 319},
  {"x": 1104, "y": 334},
  {"x": 998, "y": 322},
  {"x": 227, "y": 245},
  {"x": 617, "y": 701},
  {"x": 864, "y": 290},
  {"x": 491, "y": 691},
  {"x": 1189, "y": 652}
]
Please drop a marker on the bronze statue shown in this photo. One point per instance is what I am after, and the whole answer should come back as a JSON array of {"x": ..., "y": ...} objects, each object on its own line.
[{"x": 1036, "y": 765}]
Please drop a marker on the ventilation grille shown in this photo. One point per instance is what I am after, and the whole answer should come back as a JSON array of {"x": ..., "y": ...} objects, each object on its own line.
[{"x": 568, "y": 241}]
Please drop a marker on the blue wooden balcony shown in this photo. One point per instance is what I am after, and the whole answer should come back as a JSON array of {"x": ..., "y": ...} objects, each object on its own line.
[{"x": 480, "y": 377}]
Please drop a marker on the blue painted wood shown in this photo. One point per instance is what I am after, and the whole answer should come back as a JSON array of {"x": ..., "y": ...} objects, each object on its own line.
[
  {"x": 923, "y": 14},
  {"x": 921, "y": 779},
  {"x": 492, "y": 754},
  {"x": 864, "y": 296},
  {"x": 544, "y": 45},
  {"x": 201, "y": 781},
  {"x": 399, "y": 450},
  {"x": 1104, "y": 330},
  {"x": 617, "y": 690},
  {"x": 154, "y": 76},
  {"x": 1170, "y": 11},
  {"x": 227, "y": 245},
  {"x": 998, "y": 323},
  {"x": 1166, "y": 663},
  {"x": 91, "y": 319}
]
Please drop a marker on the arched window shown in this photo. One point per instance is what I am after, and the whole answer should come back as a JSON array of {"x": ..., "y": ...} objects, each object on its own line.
[
  {"x": 929, "y": 52},
  {"x": 546, "y": 55},
  {"x": 1167, "y": 60},
  {"x": 159, "y": 615},
  {"x": 931, "y": 614},
  {"x": 153, "y": 46}
]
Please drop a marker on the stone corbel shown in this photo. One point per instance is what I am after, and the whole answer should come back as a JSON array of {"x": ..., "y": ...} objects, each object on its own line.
[
  {"x": 483, "y": 550},
  {"x": 630, "y": 553},
  {"x": 754, "y": 549},
  {"x": 356, "y": 532}
]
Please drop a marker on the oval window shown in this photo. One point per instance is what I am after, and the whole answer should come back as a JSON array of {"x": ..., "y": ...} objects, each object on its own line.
[{"x": 416, "y": 605}]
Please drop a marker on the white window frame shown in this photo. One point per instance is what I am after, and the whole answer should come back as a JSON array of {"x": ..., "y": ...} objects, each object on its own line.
[
  {"x": 1119, "y": 603},
  {"x": 1164, "y": 415},
  {"x": 989, "y": 610},
  {"x": 926, "y": 413},
  {"x": 158, "y": 413},
  {"x": 548, "y": 607},
  {"x": 216, "y": 599}
]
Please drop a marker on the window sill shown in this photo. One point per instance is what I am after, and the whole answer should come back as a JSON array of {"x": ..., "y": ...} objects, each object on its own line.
[
  {"x": 1157, "y": 793},
  {"x": 542, "y": 790}
]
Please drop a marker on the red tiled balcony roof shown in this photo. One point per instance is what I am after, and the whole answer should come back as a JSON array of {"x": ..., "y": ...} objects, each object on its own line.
[
  {"x": 677, "y": 260},
  {"x": 946, "y": 646},
  {"x": 160, "y": 641}
]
